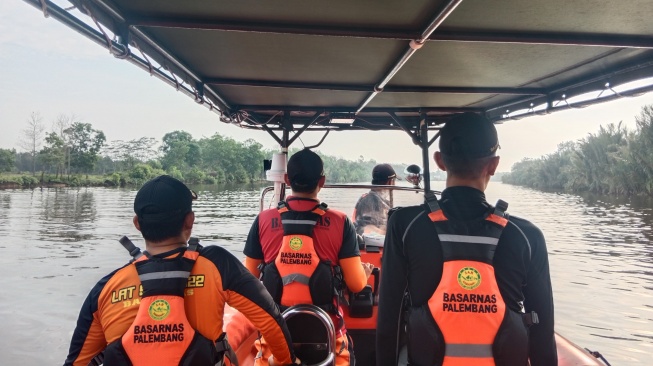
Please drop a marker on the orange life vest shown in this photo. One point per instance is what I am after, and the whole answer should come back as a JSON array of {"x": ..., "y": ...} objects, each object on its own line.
[
  {"x": 298, "y": 275},
  {"x": 160, "y": 333},
  {"x": 467, "y": 305}
]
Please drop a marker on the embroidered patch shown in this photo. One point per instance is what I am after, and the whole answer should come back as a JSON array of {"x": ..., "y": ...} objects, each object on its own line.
[
  {"x": 159, "y": 310},
  {"x": 469, "y": 278},
  {"x": 296, "y": 243}
]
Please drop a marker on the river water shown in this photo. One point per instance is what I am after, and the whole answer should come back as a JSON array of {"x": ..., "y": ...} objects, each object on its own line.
[{"x": 58, "y": 242}]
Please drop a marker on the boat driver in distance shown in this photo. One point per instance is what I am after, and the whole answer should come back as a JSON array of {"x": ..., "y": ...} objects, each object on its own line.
[
  {"x": 477, "y": 280},
  {"x": 303, "y": 239},
  {"x": 371, "y": 210},
  {"x": 166, "y": 306}
]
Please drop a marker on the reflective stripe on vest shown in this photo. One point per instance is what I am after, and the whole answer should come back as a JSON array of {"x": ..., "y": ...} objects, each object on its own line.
[
  {"x": 468, "y": 239},
  {"x": 468, "y": 350},
  {"x": 162, "y": 275},
  {"x": 298, "y": 222},
  {"x": 467, "y": 305},
  {"x": 295, "y": 277}
]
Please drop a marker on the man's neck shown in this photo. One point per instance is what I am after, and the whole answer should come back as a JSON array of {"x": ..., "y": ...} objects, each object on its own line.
[
  {"x": 480, "y": 183},
  {"x": 165, "y": 245},
  {"x": 312, "y": 195}
]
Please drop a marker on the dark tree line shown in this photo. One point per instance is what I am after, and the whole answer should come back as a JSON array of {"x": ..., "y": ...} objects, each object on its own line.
[{"x": 612, "y": 161}]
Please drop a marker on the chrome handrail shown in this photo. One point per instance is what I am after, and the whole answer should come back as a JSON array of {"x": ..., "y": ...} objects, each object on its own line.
[{"x": 326, "y": 321}]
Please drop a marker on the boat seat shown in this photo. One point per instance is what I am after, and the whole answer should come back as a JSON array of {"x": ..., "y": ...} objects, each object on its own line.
[{"x": 313, "y": 334}]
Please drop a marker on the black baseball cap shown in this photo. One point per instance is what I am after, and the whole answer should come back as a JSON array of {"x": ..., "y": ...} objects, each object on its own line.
[
  {"x": 469, "y": 136},
  {"x": 305, "y": 168},
  {"x": 163, "y": 198},
  {"x": 382, "y": 172}
]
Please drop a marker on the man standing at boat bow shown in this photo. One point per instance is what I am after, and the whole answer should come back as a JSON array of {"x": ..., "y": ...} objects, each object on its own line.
[
  {"x": 476, "y": 280},
  {"x": 303, "y": 239},
  {"x": 371, "y": 210}
]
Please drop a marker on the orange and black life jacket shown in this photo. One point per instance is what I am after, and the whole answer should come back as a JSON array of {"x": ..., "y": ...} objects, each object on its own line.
[
  {"x": 467, "y": 305},
  {"x": 298, "y": 275},
  {"x": 161, "y": 334}
]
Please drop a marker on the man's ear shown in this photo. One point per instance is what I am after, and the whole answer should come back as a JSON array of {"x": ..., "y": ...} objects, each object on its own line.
[
  {"x": 492, "y": 165},
  {"x": 189, "y": 220},
  {"x": 286, "y": 180},
  {"x": 136, "y": 224},
  {"x": 320, "y": 183},
  {"x": 437, "y": 156}
]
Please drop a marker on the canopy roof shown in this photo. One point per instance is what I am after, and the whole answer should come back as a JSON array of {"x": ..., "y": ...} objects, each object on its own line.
[{"x": 376, "y": 64}]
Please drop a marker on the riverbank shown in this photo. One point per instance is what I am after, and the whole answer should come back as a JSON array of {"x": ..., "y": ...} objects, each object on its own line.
[{"x": 26, "y": 181}]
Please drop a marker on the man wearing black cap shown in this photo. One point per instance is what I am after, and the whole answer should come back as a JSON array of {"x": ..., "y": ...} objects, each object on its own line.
[
  {"x": 285, "y": 240},
  {"x": 371, "y": 210},
  {"x": 476, "y": 279},
  {"x": 147, "y": 311}
]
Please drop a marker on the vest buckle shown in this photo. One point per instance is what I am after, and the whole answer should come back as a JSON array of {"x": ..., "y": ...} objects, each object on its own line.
[{"x": 530, "y": 319}]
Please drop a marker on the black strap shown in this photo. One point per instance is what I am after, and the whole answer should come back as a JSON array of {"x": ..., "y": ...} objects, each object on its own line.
[
  {"x": 432, "y": 201},
  {"x": 338, "y": 288},
  {"x": 222, "y": 346},
  {"x": 97, "y": 360},
  {"x": 193, "y": 244},
  {"x": 530, "y": 319},
  {"x": 500, "y": 208},
  {"x": 321, "y": 205},
  {"x": 133, "y": 250}
]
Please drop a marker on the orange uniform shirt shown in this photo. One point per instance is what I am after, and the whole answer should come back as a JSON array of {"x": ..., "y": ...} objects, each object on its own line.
[{"x": 217, "y": 278}]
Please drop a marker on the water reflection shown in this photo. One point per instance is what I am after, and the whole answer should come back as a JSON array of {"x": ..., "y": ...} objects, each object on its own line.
[
  {"x": 57, "y": 243},
  {"x": 5, "y": 205},
  {"x": 601, "y": 260}
]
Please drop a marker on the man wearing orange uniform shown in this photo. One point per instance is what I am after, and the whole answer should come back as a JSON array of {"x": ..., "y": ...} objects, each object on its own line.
[
  {"x": 332, "y": 235},
  {"x": 209, "y": 277}
]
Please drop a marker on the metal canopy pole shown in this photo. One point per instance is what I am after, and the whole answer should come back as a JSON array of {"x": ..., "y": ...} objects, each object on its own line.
[
  {"x": 84, "y": 29},
  {"x": 306, "y": 126},
  {"x": 166, "y": 55},
  {"x": 413, "y": 46},
  {"x": 424, "y": 144},
  {"x": 633, "y": 71},
  {"x": 582, "y": 104},
  {"x": 399, "y": 121}
]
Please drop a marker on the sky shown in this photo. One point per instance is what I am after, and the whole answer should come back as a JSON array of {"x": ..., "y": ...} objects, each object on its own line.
[{"x": 48, "y": 68}]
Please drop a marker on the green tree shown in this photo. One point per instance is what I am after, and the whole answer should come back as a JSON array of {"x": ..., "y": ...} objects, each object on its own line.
[
  {"x": 175, "y": 136},
  {"x": 7, "y": 159},
  {"x": 612, "y": 161},
  {"x": 175, "y": 155},
  {"x": 180, "y": 150},
  {"x": 53, "y": 154},
  {"x": 85, "y": 145}
]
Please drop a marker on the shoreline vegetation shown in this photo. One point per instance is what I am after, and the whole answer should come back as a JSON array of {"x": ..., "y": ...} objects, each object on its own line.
[
  {"x": 613, "y": 161},
  {"x": 74, "y": 154}
]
